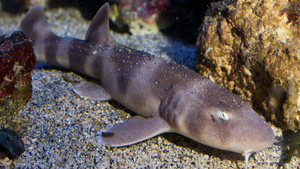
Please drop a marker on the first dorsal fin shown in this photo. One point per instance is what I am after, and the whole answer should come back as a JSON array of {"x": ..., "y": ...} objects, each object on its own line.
[
  {"x": 35, "y": 24},
  {"x": 98, "y": 31}
]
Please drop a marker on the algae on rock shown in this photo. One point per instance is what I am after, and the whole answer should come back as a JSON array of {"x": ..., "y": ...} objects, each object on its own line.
[{"x": 292, "y": 143}]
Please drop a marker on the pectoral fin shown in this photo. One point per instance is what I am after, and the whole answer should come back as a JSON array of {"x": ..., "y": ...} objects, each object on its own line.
[
  {"x": 92, "y": 91},
  {"x": 133, "y": 130}
]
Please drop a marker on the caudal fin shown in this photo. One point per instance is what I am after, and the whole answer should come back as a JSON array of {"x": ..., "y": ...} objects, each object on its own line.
[
  {"x": 35, "y": 25},
  {"x": 66, "y": 52}
]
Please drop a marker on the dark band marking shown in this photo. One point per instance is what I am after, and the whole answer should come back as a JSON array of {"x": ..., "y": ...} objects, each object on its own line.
[
  {"x": 78, "y": 52},
  {"x": 51, "y": 50},
  {"x": 128, "y": 62},
  {"x": 99, "y": 65}
]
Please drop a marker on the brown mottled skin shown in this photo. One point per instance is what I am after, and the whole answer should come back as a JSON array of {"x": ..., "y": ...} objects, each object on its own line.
[{"x": 168, "y": 97}]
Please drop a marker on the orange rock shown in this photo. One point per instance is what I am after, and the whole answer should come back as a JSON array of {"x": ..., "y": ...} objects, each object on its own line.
[{"x": 252, "y": 48}]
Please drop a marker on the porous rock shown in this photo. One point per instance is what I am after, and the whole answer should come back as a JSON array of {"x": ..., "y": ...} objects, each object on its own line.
[
  {"x": 16, "y": 63},
  {"x": 252, "y": 48}
]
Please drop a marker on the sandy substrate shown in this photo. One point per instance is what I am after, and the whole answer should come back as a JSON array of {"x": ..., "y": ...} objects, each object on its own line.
[{"x": 60, "y": 128}]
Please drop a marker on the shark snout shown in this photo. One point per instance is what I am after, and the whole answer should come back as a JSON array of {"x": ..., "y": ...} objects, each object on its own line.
[{"x": 267, "y": 138}]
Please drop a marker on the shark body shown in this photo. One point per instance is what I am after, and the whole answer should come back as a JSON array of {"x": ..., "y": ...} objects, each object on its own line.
[{"x": 167, "y": 97}]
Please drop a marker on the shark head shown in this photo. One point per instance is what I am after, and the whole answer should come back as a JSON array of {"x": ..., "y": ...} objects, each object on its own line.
[{"x": 223, "y": 120}]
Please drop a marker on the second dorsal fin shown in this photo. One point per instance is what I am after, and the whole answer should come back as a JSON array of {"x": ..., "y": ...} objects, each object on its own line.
[{"x": 35, "y": 24}]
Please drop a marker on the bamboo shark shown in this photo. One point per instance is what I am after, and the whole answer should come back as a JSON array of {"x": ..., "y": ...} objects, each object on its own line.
[{"x": 167, "y": 97}]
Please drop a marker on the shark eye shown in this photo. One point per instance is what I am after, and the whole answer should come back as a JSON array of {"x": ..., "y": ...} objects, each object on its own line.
[{"x": 222, "y": 115}]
